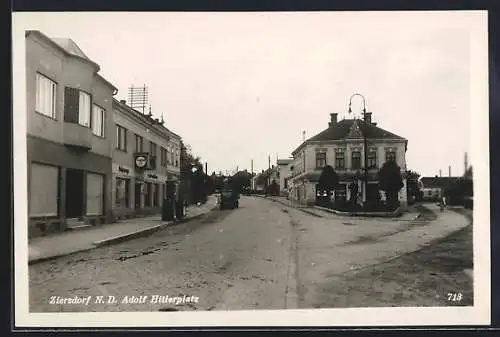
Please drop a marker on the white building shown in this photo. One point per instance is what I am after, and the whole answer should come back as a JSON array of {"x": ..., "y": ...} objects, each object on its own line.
[
  {"x": 342, "y": 147},
  {"x": 283, "y": 166}
]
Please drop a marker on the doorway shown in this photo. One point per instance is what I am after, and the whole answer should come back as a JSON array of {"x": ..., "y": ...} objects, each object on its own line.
[
  {"x": 137, "y": 195},
  {"x": 75, "y": 193}
]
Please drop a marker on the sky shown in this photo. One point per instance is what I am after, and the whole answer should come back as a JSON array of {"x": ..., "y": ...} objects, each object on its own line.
[{"x": 241, "y": 86}]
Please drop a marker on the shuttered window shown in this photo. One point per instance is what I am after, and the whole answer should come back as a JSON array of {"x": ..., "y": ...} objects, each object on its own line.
[
  {"x": 77, "y": 107},
  {"x": 71, "y": 104}
]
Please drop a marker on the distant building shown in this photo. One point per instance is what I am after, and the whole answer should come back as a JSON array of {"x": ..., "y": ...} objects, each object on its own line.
[
  {"x": 69, "y": 136},
  {"x": 433, "y": 188},
  {"x": 283, "y": 166},
  {"x": 342, "y": 147},
  {"x": 139, "y": 189}
]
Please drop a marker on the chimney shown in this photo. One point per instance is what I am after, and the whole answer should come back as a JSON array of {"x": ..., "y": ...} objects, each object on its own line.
[
  {"x": 440, "y": 175},
  {"x": 449, "y": 171},
  {"x": 123, "y": 101},
  {"x": 333, "y": 119},
  {"x": 368, "y": 117}
]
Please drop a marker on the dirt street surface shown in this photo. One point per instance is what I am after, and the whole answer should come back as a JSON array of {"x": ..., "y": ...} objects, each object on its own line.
[
  {"x": 263, "y": 255},
  {"x": 229, "y": 259}
]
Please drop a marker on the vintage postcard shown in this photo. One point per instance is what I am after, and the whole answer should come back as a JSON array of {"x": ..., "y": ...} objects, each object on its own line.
[{"x": 182, "y": 169}]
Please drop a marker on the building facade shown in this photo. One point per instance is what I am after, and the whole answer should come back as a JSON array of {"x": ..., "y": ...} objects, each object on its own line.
[
  {"x": 342, "y": 146},
  {"x": 283, "y": 173},
  {"x": 69, "y": 136},
  {"x": 146, "y": 155}
]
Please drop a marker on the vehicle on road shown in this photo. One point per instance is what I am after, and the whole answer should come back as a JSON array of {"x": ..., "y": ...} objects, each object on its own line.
[{"x": 229, "y": 199}]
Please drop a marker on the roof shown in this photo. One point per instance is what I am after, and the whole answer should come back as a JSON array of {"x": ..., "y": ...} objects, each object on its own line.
[
  {"x": 71, "y": 47},
  {"x": 284, "y": 161},
  {"x": 145, "y": 118},
  {"x": 352, "y": 129},
  {"x": 438, "y": 182}
]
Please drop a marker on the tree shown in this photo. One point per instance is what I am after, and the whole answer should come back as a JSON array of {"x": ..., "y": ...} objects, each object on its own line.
[
  {"x": 192, "y": 186},
  {"x": 262, "y": 178},
  {"x": 328, "y": 178},
  {"x": 390, "y": 181},
  {"x": 241, "y": 180},
  {"x": 412, "y": 186}
]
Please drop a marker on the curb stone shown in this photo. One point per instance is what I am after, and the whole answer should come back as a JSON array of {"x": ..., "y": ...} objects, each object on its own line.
[
  {"x": 144, "y": 232},
  {"x": 116, "y": 239},
  {"x": 53, "y": 257}
]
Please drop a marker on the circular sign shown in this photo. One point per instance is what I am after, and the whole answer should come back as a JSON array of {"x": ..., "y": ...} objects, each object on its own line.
[{"x": 140, "y": 161}]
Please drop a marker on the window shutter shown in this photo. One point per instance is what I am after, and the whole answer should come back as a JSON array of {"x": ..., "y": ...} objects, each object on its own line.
[{"x": 71, "y": 103}]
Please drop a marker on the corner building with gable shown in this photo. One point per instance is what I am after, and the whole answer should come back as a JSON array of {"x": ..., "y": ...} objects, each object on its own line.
[{"x": 342, "y": 146}]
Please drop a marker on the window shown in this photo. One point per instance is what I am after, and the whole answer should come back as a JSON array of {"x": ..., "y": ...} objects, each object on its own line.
[
  {"x": 356, "y": 159},
  {"x": 77, "y": 107},
  {"x": 172, "y": 160},
  {"x": 84, "y": 109},
  {"x": 45, "y": 96},
  {"x": 372, "y": 158},
  {"x": 168, "y": 154},
  {"x": 95, "y": 194},
  {"x": 139, "y": 143},
  {"x": 122, "y": 193},
  {"x": 98, "y": 121},
  {"x": 177, "y": 157},
  {"x": 339, "y": 159},
  {"x": 152, "y": 148},
  {"x": 44, "y": 186},
  {"x": 320, "y": 160},
  {"x": 163, "y": 156},
  {"x": 121, "y": 138},
  {"x": 390, "y": 154}
]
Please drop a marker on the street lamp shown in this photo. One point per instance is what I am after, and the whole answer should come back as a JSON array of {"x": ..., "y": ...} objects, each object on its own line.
[{"x": 365, "y": 150}]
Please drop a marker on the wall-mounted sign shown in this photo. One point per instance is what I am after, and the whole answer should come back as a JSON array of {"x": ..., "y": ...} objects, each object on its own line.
[{"x": 141, "y": 160}]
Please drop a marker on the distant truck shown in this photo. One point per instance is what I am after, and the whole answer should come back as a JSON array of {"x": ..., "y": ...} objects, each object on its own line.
[{"x": 229, "y": 198}]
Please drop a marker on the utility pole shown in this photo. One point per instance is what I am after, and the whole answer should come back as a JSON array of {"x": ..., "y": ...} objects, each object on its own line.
[
  {"x": 252, "y": 180},
  {"x": 269, "y": 172}
]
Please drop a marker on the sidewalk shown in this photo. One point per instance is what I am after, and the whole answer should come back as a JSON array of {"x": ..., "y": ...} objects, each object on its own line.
[{"x": 48, "y": 247}]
